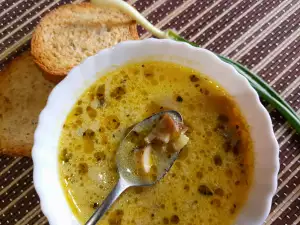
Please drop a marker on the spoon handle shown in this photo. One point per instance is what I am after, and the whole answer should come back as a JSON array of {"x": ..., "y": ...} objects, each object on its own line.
[{"x": 121, "y": 186}]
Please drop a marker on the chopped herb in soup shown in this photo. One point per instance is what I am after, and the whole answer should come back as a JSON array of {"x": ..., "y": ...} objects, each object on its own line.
[{"x": 209, "y": 182}]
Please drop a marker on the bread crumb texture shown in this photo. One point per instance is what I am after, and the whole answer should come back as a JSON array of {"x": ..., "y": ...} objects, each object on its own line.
[
  {"x": 23, "y": 94},
  {"x": 72, "y": 32}
]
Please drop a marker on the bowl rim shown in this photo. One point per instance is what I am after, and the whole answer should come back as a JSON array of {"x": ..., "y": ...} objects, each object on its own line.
[{"x": 76, "y": 83}]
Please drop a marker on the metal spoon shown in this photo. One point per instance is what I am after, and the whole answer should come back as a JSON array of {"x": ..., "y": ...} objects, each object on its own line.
[{"x": 127, "y": 177}]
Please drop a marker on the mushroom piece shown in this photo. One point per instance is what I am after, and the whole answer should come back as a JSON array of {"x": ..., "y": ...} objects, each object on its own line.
[{"x": 164, "y": 130}]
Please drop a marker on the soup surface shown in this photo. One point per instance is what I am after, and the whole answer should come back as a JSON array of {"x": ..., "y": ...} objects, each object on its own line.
[{"x": 208, "y": 183}]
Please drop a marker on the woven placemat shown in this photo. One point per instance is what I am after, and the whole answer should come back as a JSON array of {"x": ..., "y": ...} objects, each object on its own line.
[{"x": 264, "y": 35}]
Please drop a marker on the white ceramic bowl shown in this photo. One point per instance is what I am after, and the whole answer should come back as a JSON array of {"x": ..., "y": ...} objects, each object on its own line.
[{"x": 65, "y": 95}]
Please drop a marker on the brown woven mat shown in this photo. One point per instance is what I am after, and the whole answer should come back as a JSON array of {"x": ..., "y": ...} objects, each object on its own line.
[{"x": 262, "y": 34}]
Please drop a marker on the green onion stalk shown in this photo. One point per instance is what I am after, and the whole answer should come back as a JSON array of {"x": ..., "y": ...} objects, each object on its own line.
[{"x": 262, "y": 88}]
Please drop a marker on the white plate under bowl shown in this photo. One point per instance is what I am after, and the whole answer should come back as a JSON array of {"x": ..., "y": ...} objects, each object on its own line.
[{"x": 66, "y": 93}]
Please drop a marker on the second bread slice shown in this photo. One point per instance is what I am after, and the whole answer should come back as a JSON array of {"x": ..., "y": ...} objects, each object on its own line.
[{"x": 71, "y": 33}]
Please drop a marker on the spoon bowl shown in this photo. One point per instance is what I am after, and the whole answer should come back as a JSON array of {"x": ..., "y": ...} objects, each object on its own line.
[{"x": 127, "y": 148}]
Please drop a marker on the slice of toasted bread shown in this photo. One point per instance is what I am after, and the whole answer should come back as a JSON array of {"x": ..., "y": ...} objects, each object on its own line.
[
  {"x": 72, "y": 32},
  {"x": 23, "y": 94}
]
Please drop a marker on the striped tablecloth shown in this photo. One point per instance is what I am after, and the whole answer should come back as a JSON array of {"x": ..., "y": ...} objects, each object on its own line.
[{"x": 264, "y": 35}]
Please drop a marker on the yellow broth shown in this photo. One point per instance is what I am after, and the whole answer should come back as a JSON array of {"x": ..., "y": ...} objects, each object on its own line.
[{"x": 208, "y": 183}]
